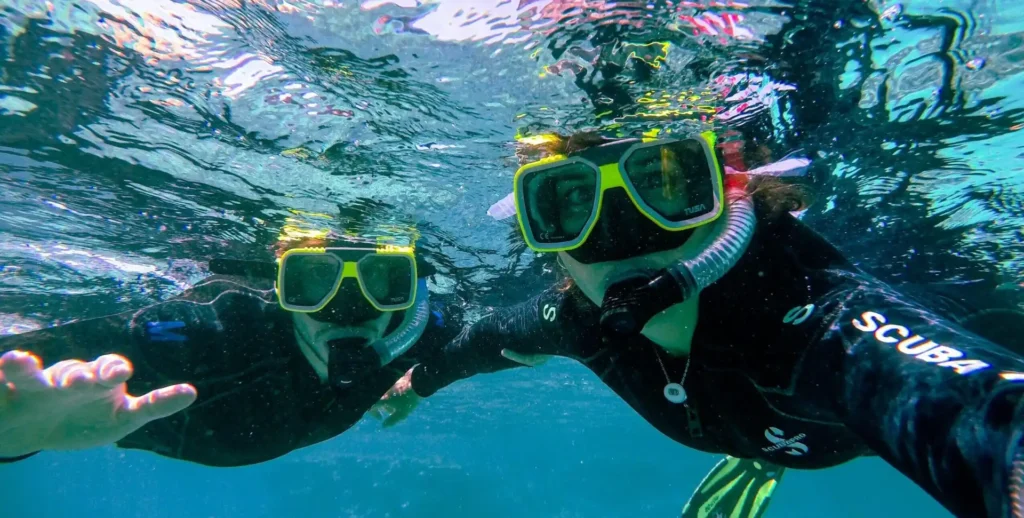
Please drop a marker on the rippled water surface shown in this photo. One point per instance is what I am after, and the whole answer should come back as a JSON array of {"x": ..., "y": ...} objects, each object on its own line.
[{"x": 139, "y": 139}]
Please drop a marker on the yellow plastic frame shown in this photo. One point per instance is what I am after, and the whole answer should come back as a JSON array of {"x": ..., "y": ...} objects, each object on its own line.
[
  {"x": 348, "y": 269},
  {"x": 610, "y": 176}
]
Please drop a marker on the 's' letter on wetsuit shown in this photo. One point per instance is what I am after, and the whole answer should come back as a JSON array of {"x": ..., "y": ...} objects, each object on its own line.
[{"x": 533, "y": 327}]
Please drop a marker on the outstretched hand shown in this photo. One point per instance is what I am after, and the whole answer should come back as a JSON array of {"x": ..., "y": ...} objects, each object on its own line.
[{"x": 75, "y": 405}]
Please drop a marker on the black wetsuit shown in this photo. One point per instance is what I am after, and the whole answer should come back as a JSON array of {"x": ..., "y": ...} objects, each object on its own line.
[
  {"x": 259, "y": 397},
  {"x": 799, "y": 359}
]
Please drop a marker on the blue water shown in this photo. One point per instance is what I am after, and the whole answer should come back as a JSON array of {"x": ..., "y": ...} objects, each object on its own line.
[{"x": 140, "y": 139}]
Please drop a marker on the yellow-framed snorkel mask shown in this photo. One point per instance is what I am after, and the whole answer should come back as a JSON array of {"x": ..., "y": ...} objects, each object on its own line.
[
  {"x": 677, "y": 183},
  {"x": 309, "y": 278}
]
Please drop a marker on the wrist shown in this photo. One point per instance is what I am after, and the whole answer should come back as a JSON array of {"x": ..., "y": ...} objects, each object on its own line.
[{"x": 417, "y": 369}]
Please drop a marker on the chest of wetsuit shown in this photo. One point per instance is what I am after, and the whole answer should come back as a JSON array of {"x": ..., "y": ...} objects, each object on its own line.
[{"x": 760, "y": 385}]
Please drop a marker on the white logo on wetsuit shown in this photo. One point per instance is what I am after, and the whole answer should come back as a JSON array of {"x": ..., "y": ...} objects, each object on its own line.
[
  {"x": 915, "y": 345},
  {"x": 798, "y": 315},
  {"x": 550, "y": 312},
  {"x": 779, "y": 441}
]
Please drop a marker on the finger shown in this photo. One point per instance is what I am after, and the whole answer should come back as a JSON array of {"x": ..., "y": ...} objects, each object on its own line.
[
  {"x": 396, "y": 417},
  {"x": 60, "y": 373},
  {"x": 72, "y": 374},
  {"x": 23, "y": 370},
  {"x": 383, "y": 410},
  {"x": 374, "y": 412},
  {"x": 112, "y": 370},
  {"x": 158, "y": 403}
]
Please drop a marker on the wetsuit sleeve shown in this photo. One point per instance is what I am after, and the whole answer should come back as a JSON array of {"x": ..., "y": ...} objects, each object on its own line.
[
  {"x": 942, "y": 405},
  {"x": 531, "y": 327},
  {"x": 77, "y": 340}
]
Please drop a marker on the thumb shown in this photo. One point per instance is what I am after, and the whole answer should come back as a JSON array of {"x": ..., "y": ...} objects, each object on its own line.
[
  {"x": 378, "y": 410},
  {"x": 157, "y": 404},
  {"x": 399, "y": 415}
]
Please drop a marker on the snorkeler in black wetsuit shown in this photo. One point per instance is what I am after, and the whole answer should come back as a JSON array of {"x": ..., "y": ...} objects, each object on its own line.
[
  {"x": 271, "y": 375},
  {"x": 759, "y": 340}
]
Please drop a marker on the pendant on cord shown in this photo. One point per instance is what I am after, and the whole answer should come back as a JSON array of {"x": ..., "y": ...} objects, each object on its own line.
[{"x": 675, "y": 393}]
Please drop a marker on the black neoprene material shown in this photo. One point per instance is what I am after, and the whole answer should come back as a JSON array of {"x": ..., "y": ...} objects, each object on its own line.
[{"x": 799, "y": 359}]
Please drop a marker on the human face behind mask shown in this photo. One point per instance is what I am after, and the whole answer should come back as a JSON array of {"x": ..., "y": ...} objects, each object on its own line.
[
  {"x": 621, "y": 213},
  {"x": 336, "y": 339},
  {"x": 344, "y": 301}
]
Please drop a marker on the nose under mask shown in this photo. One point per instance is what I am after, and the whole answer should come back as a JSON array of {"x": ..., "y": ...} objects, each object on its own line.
[
  {"x": 348, "y": 308},
  {"x": 622, "y": 232}
]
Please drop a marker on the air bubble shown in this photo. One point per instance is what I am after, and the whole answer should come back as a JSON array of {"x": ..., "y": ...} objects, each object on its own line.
[
  {"x": 976, "y": 64},
  {"x": 893, "y": 12}
]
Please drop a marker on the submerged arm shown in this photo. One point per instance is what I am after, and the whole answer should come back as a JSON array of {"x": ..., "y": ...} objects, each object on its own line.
[
  {"x": 942, "y": 405},
  {"x": 491, "y": 343}
]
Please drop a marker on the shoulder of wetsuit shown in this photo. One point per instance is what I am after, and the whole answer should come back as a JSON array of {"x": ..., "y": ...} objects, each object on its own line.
[
  {"x": 977, "y": 309},
  {"x": 218, "y": 283},
  {"x": 200, "y": 344},
  {"x": 445, "y": 312},
  {"x": 1003, "y": 326},
  {"x": 215, "y": 308},
  {"x": 786, "y": 233},
  {"x": 446, "y": 319},
  {"x": 788, "y": 268}
]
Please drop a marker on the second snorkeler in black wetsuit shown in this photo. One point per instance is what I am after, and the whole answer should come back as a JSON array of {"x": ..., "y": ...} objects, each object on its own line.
[
  {"x": 271, "y": 368},
  {"x": 733, "y": 328}
]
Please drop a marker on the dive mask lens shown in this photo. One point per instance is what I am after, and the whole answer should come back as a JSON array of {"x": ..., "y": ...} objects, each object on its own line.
[
  {"x": 308, "y": 281},
  {"x": 674, "y": 182},
  {"x": 558, "y": 203},
  {"x": 310, "y": 278},
  {"x": 388, "y": 281}
]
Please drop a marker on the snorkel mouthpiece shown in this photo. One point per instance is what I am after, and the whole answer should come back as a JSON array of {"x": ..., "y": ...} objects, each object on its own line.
[
  {"x": 351, "y": 359},
  {"x": 629, "y": 304}
]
